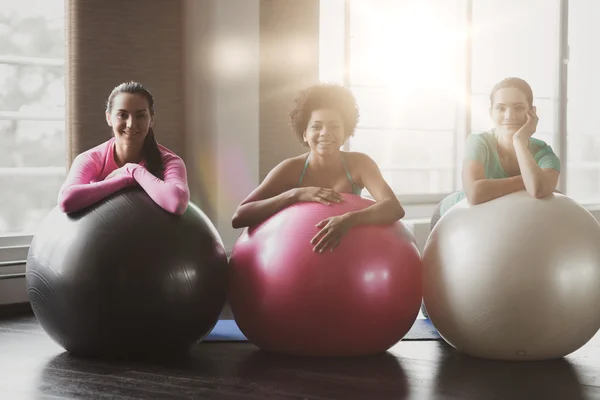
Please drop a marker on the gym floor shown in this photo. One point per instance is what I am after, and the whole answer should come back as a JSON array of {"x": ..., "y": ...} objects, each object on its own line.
[{"x": 33, "y": 367}]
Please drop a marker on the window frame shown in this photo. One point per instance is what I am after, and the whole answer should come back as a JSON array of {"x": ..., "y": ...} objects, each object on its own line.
[
  {"x": 14, "y": 247},
  {"x": 463, "y": 127},
  {"x": 417, "y": 206}
]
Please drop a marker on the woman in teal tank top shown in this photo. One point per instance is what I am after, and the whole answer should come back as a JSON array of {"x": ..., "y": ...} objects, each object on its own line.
[
  {"x": 325, "y": 116},
  {"x": 507, "y": 158}
]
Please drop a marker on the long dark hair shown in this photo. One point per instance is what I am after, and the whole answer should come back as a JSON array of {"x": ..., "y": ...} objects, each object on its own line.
[{"x": 150, "y": 150}]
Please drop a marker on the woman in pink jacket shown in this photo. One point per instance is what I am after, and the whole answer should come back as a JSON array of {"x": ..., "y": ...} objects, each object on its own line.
[{"x": 132, "y": 156}]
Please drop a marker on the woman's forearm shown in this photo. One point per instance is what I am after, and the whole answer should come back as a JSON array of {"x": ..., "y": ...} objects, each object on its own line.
[
  {"x": 533, "y": 176},
  {"x": 484, "y": 190},
  {"x": 383, "y": 212},
  {"x": 255, "y": 212}
]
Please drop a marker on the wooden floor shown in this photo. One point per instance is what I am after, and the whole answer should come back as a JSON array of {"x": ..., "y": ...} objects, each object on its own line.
[{"x": 33, "y": 367}]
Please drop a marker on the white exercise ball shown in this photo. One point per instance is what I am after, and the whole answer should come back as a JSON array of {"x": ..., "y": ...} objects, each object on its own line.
[{"x": 515, "y": 278}]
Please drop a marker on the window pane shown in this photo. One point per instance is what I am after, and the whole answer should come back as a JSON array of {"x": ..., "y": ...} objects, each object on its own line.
[
  {"x": 406, "y": 149},
  {"x": 32, "y": 144},
  {"x": 32, "y": 28},
  {"x": 583, "y": 149},
  {"x": 32, "y": 168},
  {"x": 379, "y": 108},
  {"x": 419, "y": 181},
  {"x": 32, "y": 105},
  {"x": 513, "y": 38},
  {"x": 32, "y": 89},
  {"x": 405, "y": 59},
  {"x": 408, "y": 161},
  {"x": 30, "y": 197}
]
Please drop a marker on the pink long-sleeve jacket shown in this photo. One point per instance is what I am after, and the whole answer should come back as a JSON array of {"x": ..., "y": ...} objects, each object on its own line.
[{"x": 85, "y": 184}]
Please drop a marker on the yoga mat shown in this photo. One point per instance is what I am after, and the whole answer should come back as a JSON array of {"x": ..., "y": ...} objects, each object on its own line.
[{"x": 226, "y": 330}]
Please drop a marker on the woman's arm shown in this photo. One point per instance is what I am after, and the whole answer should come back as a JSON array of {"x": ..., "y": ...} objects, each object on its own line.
[
  {"x": 172, "y": 194},
  {"x": 276, "y": 192},
  {"x": 539, "y": 182},
  {"x": 80, "y": 189},
  {"x": 386, "y": 210},
  {"x": 479, "y": 190}
]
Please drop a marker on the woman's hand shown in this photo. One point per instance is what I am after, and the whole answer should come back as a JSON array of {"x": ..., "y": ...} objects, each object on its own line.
[
  {"x": 321, "y": 195},
  {"x": 529, "y": 128},
  {"x": 126, "y": 170},
  {"x": 331, "y": 232}
]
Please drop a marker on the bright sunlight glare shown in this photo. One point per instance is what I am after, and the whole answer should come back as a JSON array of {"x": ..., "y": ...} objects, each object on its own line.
[{"x": 409, "y": 47}]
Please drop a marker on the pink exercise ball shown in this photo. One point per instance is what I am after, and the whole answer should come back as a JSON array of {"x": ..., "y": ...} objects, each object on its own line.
[{"x": 360, "y": 299}]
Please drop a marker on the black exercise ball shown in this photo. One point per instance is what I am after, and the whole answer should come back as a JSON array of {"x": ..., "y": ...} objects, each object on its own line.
[{"x": 126, "y": 278}]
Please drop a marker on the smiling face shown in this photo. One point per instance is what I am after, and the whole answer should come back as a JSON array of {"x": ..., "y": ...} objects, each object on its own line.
[
  {"x": 325, "y": 131},
  {"x": 130, "y": 118},
  {"x": 509, "y": 110}
]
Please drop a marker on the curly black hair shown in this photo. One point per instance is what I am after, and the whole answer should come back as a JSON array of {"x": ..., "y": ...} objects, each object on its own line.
[{"x": 324, "y": 95}]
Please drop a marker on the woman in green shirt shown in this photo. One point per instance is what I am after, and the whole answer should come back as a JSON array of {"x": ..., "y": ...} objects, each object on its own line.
[{"x": 506, "y": 159}]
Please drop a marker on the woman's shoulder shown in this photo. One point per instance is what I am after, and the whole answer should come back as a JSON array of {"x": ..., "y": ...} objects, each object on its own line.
[
  {"x": 97, "y": 153},
  {"x": 481, "y": 144},
  {"x": 538, "y": 144},
  {"x": 289, "y": 166},
  {"x": 356, "y": 157},
  {"x": 540, "y": 148},
  {"x": 288, "y": 170},
  {"x": 169, "y": 156},
  {"x": 486, "y": 137},
  {"x": 295, "y": 161},
  {"x": 357, "y": 161}
]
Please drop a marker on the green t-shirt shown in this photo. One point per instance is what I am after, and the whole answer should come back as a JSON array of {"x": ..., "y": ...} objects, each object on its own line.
[{"x": 483, "y": 147}]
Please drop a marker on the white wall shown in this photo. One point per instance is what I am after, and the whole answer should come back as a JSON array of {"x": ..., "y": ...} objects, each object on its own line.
[{"x": 222, "y": 106}]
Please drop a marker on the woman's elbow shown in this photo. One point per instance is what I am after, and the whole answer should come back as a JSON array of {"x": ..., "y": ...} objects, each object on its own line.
[
  {"x": 540, "y": 193},
  {"x": 180, "y": 209},
  {"x": 397, "y": 211},
  {"x": 400, "y": 212},
  {"x": 242, "y": 218},
  {"x": 180, "y": 205},
  {"x": 63, "y": 206},
  {"x": 237, "y": 220},
  {"x": 472, "y": 197},
  {"x": 65, "y": 203}
]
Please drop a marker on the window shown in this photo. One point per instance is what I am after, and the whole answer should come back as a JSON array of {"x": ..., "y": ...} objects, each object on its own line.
[
  {"x": 32, "y": 106},
  {"x": 404, "y": 69},
  {"x": 515, "y": 38},
  {"x": 409, "y": 62},
  {"x": 583, "y": 149}
]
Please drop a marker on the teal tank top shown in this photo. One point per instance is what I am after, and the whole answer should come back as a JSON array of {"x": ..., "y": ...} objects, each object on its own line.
[
  {"x": 355, "y": 188},
  {"x": 483, "y": 147}
]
